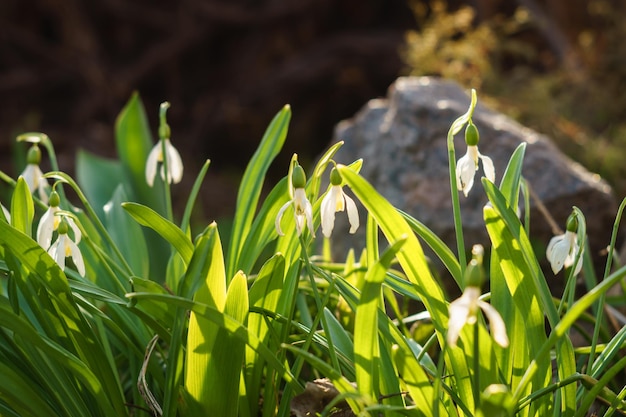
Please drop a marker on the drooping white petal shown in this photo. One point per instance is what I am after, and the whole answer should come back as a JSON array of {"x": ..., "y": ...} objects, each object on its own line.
[
  {"x": 459, "y": 314},
  {"x": 154, "y": 157},
  {"x": 328, "y": 213},
  {"x": 558, "y": 250},
  {"x": 465, "y": 170},
  {"x": 36, "y": 182},
  {"x": 279, "y": 217},
  {"x": 174, "y": 163},
  {"x": 490, "y": 171},
  {"x": 77, "y": 257},
  {"x": 77, "y": 234},
  {"x": 308, "y": 212},
  {"x": 571, "y": 257},
  {"x": 47, "y": 225},
  {"x": 303, "y": 211},
  {"x": 57, "y": 251},
  {"x": 353, "y": 214},
  {"x": 498, "y": 329}
]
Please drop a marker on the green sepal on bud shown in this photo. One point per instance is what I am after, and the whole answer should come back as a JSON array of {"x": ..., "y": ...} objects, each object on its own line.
[
  {"x": 572, "y": 223},
  {"x": 298, "y": 177},
  {"x": 475, "y": 274},
  {"x": 335, "y": 177},
  {"x": 471, "y": 134},
  {"x": 34, "y": 155},
  {"x": 63, "y": 227},
  {"x": 54, "y": 199}
]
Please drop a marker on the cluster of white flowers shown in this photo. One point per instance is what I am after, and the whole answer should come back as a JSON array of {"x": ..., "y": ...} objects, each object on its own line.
[
  {"x": 51, "y": 221},
  {"x": 335, "y": 200}
]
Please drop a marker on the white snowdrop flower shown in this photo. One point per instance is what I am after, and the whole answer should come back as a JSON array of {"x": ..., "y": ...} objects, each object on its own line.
[
  {"x": 65, "y": 247},
  {"x": 467, "y": 165},
  {"x": 303, "y": 211},
  {"x": 334, "y": 201},
  {"x": 174, "y": 163},
  {"x": 464, "y": 309},
  {"x": 562, "y": 249},
  {"x": 50, "y": 221}
]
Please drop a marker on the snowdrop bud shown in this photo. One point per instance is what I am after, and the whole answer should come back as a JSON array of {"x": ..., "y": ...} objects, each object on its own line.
[
  {"x": 572, "y": 223},
  {"x": 335, "y": 177},
  {"x": 34, "y": 155},
  {"x": 471, "y": 134},
  {"x": 298, "y": 177},
  {"x": 63, "y": 227},
  {"x": 54, "y": 199}
]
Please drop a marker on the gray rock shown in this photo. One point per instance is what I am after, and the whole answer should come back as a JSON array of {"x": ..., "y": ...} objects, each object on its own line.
[{"x": 402, "y": 140}]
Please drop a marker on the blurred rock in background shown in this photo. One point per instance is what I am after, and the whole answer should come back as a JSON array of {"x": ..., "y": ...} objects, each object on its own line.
[{"x": 402, "y": 140}]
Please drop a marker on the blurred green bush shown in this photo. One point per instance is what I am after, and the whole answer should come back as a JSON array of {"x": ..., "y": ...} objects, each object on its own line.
[{"x": 576, "y": 99}]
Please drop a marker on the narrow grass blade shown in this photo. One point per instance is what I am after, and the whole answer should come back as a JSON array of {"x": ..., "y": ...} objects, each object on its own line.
[
  {"x": 147, "y": 217},
  {"x": 252, "y": 183},
  {"x": 366, "y": 345}
]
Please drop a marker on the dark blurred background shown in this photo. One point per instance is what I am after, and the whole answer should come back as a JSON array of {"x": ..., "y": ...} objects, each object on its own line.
[{"x": 67, "y": 67}]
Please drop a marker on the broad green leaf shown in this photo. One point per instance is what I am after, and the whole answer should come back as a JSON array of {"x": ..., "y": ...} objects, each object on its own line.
[
  {"x": 226, "y": 322},
  {"x": 366, "y": 345},
  {"x": 264, "y": 294},
  {"x": 22, "y": 209},
  {"x": 134, "y": 142},
  {"x": 98, "y": 177},
  {"x": 252, "y": 183},
  {"x": 203, "y": 335},
  {"x": 126, "y": 233},
  {"x": 147, "y": 217}
]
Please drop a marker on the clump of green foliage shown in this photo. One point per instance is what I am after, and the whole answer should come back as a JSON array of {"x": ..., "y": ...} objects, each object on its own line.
[{"x": 112, "y": 306}]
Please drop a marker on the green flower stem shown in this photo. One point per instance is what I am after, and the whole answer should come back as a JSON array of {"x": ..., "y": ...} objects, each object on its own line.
[
  {"x": 163, "y": 128},
  {"x": 166, "y": 185},
  {"x": 456, "y": 126}
]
